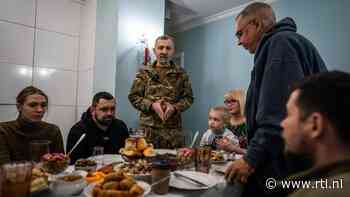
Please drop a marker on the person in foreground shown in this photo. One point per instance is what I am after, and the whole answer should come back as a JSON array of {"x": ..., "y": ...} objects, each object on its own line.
[
  {"x": 317, "y": 125},
  {"x": 281, "y": 57},
  {"x": 161, "y": 92},
  {"x": 16, "y": 135},
  {"x": 101, "y": 129}
]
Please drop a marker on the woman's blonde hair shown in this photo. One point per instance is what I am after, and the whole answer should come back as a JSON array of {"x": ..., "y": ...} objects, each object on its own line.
[
  {"x": 225, "y": 114},
  {"x": 238, "y": 95}
]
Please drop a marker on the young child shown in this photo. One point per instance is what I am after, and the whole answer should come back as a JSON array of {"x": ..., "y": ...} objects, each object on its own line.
[{"x": 218, "y": 119}]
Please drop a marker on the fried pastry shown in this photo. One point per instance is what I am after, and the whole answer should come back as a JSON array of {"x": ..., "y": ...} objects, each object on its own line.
[
  {"x": 126, "y": 184},
  {"x": 136, "y": 190},
  {"x": 141, "y": 144}
]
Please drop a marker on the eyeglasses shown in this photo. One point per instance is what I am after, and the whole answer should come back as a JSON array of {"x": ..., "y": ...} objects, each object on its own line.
[
  {"x": 230, "y": 101},
  {"x": 240, "y": 32}
]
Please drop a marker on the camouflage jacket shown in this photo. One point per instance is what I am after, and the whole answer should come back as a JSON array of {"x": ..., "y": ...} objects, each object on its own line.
[{"x": 172, "y": 85}]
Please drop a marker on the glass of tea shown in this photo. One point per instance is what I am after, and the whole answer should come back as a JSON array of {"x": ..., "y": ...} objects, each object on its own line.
[
  {"x": 203, "y": 159},
  {"x": 39, "y": 148},
  {"x": 16, "y": 179}
]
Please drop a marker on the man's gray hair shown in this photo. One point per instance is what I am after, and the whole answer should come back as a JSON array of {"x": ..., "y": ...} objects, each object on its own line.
[{"x": 260, "y": 10}]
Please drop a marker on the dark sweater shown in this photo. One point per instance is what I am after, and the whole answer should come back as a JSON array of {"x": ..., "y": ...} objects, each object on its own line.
[
  {"x": 335, "y": 177},
  {"x": 15, "y": 137},
  {"x": 282, "y": 58},
  {"x": 112, "y": 139}
]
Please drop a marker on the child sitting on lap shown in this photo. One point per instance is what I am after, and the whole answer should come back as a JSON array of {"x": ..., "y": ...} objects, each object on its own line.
[
  {"x": 218, "y": 136},
  {"x": 217, "y": 121}
]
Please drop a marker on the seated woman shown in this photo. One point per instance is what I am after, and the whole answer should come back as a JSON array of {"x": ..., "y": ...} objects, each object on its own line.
[
  {"x": 235, "y": 102},
  {"x": 16, "y": 135},
  {"x": 217, "y": 132}
]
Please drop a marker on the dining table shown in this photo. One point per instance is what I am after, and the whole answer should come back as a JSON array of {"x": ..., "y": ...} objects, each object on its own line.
[{"x": 220, "y": 189}]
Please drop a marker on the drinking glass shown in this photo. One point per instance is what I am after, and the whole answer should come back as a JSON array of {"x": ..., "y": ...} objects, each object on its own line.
[
  {"x": 39, "y": 148},
  {"x": 98, "y": 152},
  {"x": 132, "y": 132},
  {"x": 140, "y": 132},
  {"x": 203, "y": 159},
  {"x": 185, "y": 158},
  {"x": 136, "y": 132},
  {"x": 16, "y": 179}
]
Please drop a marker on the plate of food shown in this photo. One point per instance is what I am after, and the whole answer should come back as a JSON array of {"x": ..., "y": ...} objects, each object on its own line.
[
  {"x": 140, "y": 169},
  {"x": 85, "y": 165},
  {"x": 218, "y": 157},
  {"x": 101, "y": 172},
  {"x": 39, "y": 181},
  {"x": 136, "y": 148},
  {"x": 54, "y": 163},
  {"x": 118, "y": 184}
]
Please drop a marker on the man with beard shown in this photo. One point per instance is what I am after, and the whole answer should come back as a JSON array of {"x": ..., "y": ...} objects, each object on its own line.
[
  {"x": 317, "y": 125},
  {"x": 161, "y": 92},
  {"x": 101, "y": 129}
]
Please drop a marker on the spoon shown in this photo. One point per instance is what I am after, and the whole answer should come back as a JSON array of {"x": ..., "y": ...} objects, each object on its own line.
[
  {"x": 194, "y": 139},
  {"x": 77, "y": 143}
]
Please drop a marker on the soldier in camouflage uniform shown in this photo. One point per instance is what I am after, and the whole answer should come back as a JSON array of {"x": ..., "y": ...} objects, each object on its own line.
[{"x": 161, "y": 91}]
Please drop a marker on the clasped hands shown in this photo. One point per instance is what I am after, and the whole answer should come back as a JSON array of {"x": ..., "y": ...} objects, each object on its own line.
[{"x": 163, "y": 109}]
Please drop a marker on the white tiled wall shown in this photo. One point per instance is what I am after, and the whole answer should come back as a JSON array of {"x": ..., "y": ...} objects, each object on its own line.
[
  {"x": 60, "y": 85},
  {"x": 56, "y": 50},
  {"x": 80, "y": 111},
  {"x": 16, "y": 43},
  {"x": 59, "y": 15},
  {"x": 8, "y": 112},
  {"x": 85, "y": 87},
  {"x": 87, "y": 36},
  {"x": 87, "y": 51},
  {"x": 63, "y": 116},
  {"x": 49, "y": 44},
  {"x": 12, "y": 80},
  {"x": 18, "y": 11},
  {"x": 86, "y": 56}
]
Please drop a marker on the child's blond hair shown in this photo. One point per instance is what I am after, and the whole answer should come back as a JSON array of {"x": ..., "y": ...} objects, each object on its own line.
[{"x": 225, "y": 114}]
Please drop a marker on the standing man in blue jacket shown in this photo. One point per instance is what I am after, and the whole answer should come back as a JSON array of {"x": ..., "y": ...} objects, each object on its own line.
[{"x": 281, "y": 57}]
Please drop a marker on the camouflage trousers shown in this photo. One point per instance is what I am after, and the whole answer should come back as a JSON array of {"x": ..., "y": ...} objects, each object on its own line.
[{"x": 164, "y": 137}]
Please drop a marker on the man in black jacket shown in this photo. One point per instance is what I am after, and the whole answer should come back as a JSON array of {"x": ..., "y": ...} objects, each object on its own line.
[
  {"x": 282, "y": 57},
  {"x": 101, "y": 128}
]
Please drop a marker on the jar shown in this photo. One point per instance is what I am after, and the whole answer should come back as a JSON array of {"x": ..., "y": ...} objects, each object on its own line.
[{"x": 160, "y": 176}]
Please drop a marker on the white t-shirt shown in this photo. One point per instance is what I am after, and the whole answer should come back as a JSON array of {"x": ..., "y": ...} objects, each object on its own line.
[{"x": 209, "y": 137}]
